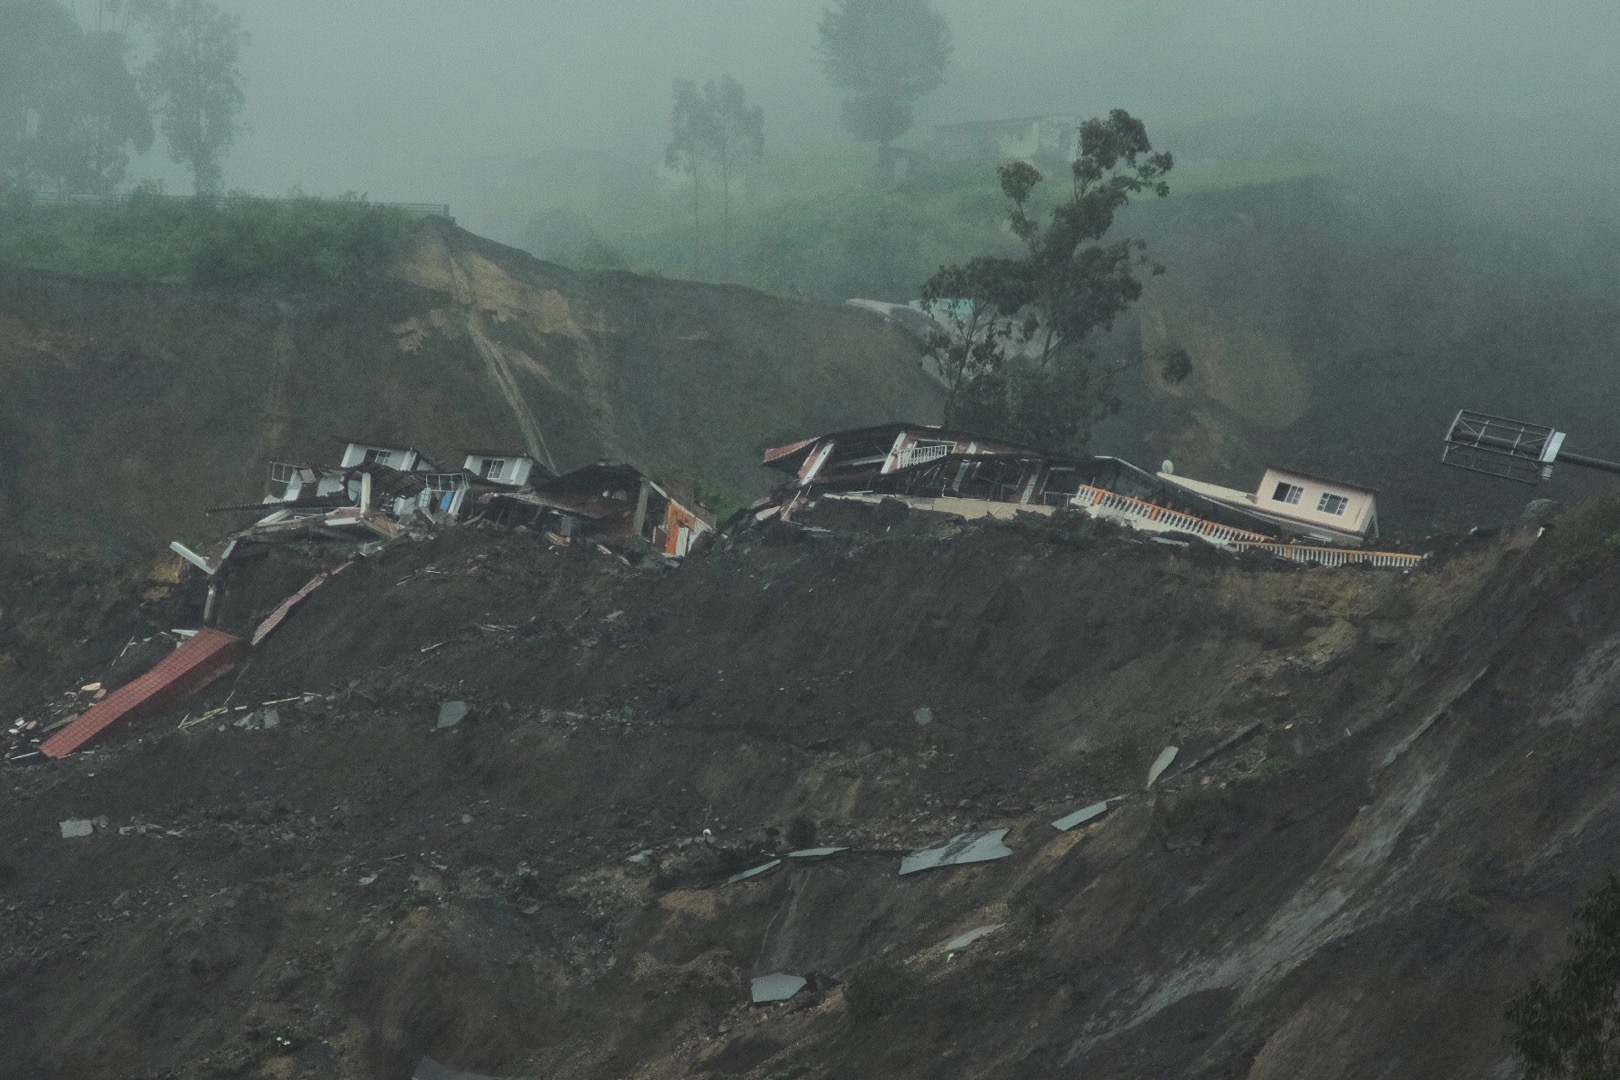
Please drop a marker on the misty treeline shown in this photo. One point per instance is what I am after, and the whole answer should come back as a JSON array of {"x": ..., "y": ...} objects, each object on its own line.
[
  {"x": 881, "y": 56},
  {"x": 1014, "y": 344},
  {"x": 716, "y": 136},
  {"x": 82, "y": 91}
]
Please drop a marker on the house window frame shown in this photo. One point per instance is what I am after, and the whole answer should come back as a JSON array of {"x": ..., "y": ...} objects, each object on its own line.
[
  {"x": 1287, "y": 493},
  {"x": 378, "y": 455},
  {"x": 495, "y": 468},
  {"x": 1332, "y": 503}
]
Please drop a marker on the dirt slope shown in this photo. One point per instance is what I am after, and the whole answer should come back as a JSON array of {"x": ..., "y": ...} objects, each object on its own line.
[
  {"x": 125, "y": 409},
  {"x": 1351, "y": 891}
]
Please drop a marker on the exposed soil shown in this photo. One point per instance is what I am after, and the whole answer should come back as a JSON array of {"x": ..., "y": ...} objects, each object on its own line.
[
  {"x": 127, "y": 409},
  {"x": 1352, "y": 889}
]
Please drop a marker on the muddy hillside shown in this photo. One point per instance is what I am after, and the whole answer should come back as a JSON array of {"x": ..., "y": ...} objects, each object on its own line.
[
  {"x": 1387, "y": 792},
  {"x": 126, "y": 409}
]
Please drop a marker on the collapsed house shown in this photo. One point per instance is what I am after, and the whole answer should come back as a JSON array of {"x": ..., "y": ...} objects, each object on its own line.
[
  {"x": 608, "y": 501},
  {"x": 934, "y": 468},
  {"x": 972, "y": 476},
  {"x": 379, "y": 492},
  {"x": 1299, "y": 504}
]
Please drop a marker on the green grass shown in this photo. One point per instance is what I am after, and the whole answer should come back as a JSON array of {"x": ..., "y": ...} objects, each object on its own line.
[
  {"x": 1270, "y": 768},
  {"x": 878, "y": 987},
  {"x": 297, "y": 244},
  {"x": 1587, "y": 537}
]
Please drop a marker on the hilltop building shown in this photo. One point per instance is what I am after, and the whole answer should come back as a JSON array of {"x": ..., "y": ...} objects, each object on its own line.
[{"x": 1046, "y": 142}]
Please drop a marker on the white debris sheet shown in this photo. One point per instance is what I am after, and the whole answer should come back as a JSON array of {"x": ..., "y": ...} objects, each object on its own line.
[{"x": 1161, "y": 763}]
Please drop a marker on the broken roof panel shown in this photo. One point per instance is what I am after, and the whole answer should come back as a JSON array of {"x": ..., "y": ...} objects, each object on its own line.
[
  {"x": 204, "y": 657},
  {"x": 777, "y": 453},
  {"x": 275, "y": 618},
  {"x": 968, "y": 847},
  {"x": 777, "y": 987}
]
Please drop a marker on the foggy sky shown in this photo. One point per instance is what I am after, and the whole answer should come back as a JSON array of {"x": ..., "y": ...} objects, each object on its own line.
[{"x": 399, "y": 99}]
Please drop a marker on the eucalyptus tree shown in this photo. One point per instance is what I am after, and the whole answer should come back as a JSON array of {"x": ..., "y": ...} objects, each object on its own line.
[
  {"x": 716, "y": 131},
  {"x": 195, "y": 79},
  {"x": 1014, "y": 344}
]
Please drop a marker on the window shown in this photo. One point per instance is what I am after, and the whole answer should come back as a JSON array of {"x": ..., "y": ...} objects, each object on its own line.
[
  {"x": 493, "y": 467},
  {"x": 1332, "y": 504},
  {"x": 381, "y": 457},
  {"x": 1288, "y": 493}
]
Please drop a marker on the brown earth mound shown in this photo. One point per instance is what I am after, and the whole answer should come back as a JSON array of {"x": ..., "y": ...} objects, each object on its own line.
[
  {"x": 126, "y": 409},
  {"x": 1389, "y": 790}
]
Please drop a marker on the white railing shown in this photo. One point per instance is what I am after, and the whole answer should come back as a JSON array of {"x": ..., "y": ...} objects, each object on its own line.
[
  {"x": 1093, "y": 498},
  {"x": 1134, "y": 510},
  {"x": 1331, "y": 556},
  {"x": 923, "y": 454}
]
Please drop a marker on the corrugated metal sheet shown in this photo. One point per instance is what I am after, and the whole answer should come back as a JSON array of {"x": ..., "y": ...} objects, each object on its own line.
[{"x": 204, "y": 658}]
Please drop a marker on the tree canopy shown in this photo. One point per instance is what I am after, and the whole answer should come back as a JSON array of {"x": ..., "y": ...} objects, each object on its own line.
[
  {"x": 1014, "y": 341},
  {"x": 1568, "y": 1027},
  {"x": 194, "y": 79},
  {"x": 882, "y": 56}
]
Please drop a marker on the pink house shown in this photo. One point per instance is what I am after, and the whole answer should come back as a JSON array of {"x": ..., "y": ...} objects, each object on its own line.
[{"x": 1305, "y": 504}]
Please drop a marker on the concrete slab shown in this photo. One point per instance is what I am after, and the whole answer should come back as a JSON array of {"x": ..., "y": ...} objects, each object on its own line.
[
  {"x": 778, "y": 987},
  {"x": 452, "y": 713},
  {"x": 76, "y": 827}
]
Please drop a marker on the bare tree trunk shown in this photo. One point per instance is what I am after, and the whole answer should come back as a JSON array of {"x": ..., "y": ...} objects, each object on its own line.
[
  {"x": 725, "y": 211},
  {"x": 885, "y": 166},
  {"x": 697, "y": 220}
]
